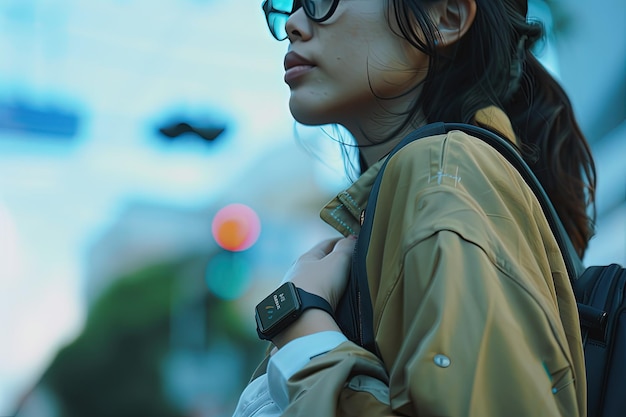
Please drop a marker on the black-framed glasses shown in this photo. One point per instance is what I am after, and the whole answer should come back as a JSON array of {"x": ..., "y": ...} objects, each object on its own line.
[{"x": 278, "y": 11}]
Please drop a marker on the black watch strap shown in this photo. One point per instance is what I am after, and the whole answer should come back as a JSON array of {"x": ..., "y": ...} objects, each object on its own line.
[{"x": 309, "y": 300}]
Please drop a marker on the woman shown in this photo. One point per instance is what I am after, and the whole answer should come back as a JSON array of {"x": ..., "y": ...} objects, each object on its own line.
[{"x": 473, "y": 311}]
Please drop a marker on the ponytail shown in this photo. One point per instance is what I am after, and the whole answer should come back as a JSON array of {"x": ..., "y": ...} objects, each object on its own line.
[{"x": 555, "y": 148}]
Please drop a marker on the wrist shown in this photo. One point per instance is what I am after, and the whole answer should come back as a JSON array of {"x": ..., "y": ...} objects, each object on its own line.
[
  {"x": 311, "y": 321},
  {"x": 284, "y": 306}
]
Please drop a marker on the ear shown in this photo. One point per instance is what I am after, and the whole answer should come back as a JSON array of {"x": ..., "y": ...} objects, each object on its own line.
[{"x": 453, "y": 19}]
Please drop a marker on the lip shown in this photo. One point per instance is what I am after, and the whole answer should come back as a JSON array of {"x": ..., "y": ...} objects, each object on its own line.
[{"x": 296, "y": 66}]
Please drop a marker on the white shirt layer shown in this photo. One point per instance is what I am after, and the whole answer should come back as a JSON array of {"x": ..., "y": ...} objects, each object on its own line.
[{"x": 267, "y": 396}]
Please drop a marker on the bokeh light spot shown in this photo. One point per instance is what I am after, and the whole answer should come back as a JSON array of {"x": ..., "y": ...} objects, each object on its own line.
[
  {"x": 236, "y": 227},
  {"x": 228, "y": 275}
]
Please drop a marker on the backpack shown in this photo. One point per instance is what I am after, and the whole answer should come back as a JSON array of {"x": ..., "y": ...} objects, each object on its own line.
[{"x": 600, "y": 291}]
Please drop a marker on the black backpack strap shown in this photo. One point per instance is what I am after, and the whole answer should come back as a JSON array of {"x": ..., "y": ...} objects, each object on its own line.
[{"x": 354, "y": 312}]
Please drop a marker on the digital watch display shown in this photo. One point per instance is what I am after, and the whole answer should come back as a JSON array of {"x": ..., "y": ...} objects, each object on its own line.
[{"x": 283, "y": 306}]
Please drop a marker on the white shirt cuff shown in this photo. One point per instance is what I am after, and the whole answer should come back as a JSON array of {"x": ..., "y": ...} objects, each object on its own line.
[
  {"x": 255, "y": 400},
  {"x": 294, "y": 356}
]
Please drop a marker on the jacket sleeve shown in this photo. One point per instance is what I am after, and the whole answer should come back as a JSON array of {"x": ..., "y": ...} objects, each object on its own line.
[
  {"x": 348, "y": 381},
  {"x": 476, "y": 342}
]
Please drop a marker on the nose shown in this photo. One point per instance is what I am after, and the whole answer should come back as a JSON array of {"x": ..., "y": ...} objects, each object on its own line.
[{"x": 299, "y": 26}]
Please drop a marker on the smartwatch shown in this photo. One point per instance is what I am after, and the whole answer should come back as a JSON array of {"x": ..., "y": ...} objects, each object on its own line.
[{"x": 282, "y": 307}]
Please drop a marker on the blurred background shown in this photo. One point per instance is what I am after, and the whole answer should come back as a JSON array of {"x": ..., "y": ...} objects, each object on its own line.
[{"x": 153, "y": 187}]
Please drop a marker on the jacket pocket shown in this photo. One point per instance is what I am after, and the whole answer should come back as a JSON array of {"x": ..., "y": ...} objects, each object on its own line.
[{"x": 564, "y": 391}]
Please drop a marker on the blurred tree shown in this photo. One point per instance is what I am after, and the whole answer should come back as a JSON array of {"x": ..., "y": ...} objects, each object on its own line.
[{"x": 115, "y": 367}]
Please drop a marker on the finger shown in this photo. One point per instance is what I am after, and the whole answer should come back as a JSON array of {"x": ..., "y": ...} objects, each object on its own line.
[
  {"x": 345, "y": 245},
  {"x": 343, "y": 251},
  {"x": 320, "y": 250}
]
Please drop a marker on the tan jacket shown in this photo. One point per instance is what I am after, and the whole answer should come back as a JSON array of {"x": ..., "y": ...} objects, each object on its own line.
[{"x": 473, "y": 310}]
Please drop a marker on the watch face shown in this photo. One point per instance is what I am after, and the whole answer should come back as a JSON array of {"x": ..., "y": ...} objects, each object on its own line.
[{"x": 279, "y": 305}]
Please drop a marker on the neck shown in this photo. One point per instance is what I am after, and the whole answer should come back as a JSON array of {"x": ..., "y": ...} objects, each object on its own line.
[
  {"x": 376, "y": 138},
  {"x": 377, "y": 128}
]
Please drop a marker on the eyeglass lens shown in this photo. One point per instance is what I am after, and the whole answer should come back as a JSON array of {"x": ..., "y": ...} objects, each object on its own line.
[{"x": 278, "y": 11}]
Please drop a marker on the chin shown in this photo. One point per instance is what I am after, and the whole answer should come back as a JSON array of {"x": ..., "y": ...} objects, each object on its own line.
[{"x": 309, "y": 116}]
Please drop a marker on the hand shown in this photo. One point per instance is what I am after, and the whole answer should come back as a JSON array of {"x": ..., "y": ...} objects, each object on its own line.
[{"x": 324, "y": 269}]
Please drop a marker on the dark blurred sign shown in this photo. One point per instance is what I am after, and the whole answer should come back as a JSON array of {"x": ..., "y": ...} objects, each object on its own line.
[
  {"x": 24, "y": 118},
  {"x": 174, "y": 130}
]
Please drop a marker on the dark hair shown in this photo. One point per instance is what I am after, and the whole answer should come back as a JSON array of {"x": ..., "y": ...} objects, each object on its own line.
[{"x": 492, "y": 65}]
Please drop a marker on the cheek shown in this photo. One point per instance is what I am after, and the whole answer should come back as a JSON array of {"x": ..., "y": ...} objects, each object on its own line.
[
  {"x": 346, "y": 66},
  {"x": 371, "y": 54},
  {"x": 395, "y": 70}
]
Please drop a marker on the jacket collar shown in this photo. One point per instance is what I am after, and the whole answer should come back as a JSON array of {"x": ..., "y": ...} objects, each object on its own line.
[
  {"x": 494, "y": 118},
  {"x": 344, "y": 211}
]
